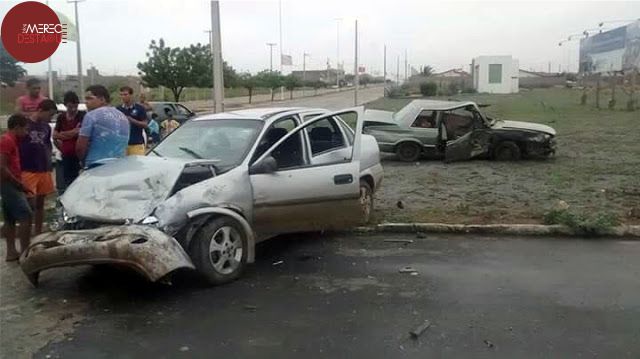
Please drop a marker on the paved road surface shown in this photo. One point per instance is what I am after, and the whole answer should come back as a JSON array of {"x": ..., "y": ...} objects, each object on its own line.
[{"x": 343, "y": 296}]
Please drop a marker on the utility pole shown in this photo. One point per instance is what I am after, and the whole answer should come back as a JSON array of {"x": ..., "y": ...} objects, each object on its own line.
[
  {"x": 338, "y": 20},
  {"x": 357, "y": 72},
  {"x": 271, "y": 45},
  {"x": 78, "y": 52},
  {"x": 405, "y": 65},
  {"x": 398, "y": 71},
  {"x": 281, "y": 44},
  {"x": 213, "y": 71},
  {"x": 216, "y": 45},
  {"x": 385, "y": 72},
  {"x": 304, "y": 71}
]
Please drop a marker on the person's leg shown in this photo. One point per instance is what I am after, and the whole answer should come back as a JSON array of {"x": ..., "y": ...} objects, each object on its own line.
[
  {"x": 39, "y": 213},
  {"x": 72, "y": 170},
  {"x": 24, "y": 234},
  {"x": 14, "y": 208},
  {"x": 60, "y": 176},
  {"x": 9, "y": 230}
]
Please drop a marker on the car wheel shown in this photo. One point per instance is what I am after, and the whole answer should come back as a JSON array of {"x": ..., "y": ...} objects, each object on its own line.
[
  {"x": 366, "y": 201},
  {"x": 408, "y": 151},
  {"x": 507, "y": 151},
  {"x": 219, "y": 251}
]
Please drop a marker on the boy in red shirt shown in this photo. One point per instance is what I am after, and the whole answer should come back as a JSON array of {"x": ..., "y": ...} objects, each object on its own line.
[
  {"x": 66, "y": 135},
  {"x": 15, "y": 206}
]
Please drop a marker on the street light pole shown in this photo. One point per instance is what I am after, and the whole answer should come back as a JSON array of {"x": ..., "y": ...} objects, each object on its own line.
[
  {"x": 357, "y": 72},
  {"x": 213, "y": 72},
  {"x": 271, "y": 45},
  {"x": 338, "y": 20},
  {"x": 281, "y": 50},
  {"x": 304, "y": 71},
  {"x": 216, "y": 44},
  {"x": 78, "y": 52},
  {"x": 385, "y": 72}
]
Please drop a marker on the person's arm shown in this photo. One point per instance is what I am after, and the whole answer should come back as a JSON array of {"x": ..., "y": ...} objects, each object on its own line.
[
  {"x": 18, "y": 109},
  {"x": 81, "y": 147},
  {"x": 7, "y": 175},
  {"x": 141, "y": 121}
]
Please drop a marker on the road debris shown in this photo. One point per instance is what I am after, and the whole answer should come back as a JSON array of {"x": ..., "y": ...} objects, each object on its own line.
[
  {"x": 420, "y": 329},
  {"x": 406, "y": 241},
  {"x": 489, "y": 344},
  {"x": 278, "y": 263},
  {"x": 184, "y": 349},
  {"x": 66, "y": 316},
  {"x": 400, "y": 205},
  {"x": 408, "y": 270},
  {"x": 421, "y": 235}
]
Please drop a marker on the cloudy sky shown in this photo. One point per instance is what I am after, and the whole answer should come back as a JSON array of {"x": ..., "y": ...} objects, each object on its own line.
[{"x": 115, "y": 34}]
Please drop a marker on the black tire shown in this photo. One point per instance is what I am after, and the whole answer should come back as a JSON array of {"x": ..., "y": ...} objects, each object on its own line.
[
  {"x": 507, "y": 151},
  {"x": 224, "y": 262},
  {"x": 366, "y": 201},
  {"x": 408, "y": 151}
]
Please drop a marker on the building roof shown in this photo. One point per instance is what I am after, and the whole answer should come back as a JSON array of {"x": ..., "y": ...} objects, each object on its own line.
[{"x": 459, "y": 72}]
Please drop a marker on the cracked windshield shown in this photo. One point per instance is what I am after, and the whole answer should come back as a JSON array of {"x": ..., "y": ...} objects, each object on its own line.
[{"x": 321, "y": 179}]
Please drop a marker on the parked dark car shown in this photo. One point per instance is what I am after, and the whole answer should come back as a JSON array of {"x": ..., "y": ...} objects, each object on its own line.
[{"x": 180, "y": 112}]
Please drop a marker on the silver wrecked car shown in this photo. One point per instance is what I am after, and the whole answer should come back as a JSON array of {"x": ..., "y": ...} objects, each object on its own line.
[{"x": 214, "y": 188}]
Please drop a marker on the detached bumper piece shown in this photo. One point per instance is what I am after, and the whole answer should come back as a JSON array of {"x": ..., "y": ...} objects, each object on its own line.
[{"x": 144, "y": 249}]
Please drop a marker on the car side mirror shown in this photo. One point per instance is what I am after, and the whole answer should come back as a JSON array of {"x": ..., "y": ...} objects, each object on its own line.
[{"x": 267, "y": 165}]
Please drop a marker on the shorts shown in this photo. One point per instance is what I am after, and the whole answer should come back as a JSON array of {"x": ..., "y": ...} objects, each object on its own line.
[
  {"x": 135, "y": 150},
  {"x": 15, "y": 207},
  {"x": 38, "y": 183}
]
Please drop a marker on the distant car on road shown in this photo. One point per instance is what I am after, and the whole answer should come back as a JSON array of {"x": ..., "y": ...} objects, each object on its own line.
[
  {"x": 456, "y": 131},
  {"x": 180, "y": 112},
  {"x": 217, "y": 185}
]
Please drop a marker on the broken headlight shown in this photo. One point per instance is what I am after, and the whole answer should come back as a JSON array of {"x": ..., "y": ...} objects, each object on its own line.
[{"x": 151, "y": 220}]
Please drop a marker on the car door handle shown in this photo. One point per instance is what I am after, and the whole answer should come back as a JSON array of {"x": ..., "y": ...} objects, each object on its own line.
[{"x": 343, "y": 179}]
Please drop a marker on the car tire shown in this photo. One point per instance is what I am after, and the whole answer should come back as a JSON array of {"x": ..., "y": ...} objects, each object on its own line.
[
  {"x": 219, "y": 250},
  {"x": 507, "y": 151},
  {"x": 408, "y": 151},
  {"x": 366, "y": 201}
]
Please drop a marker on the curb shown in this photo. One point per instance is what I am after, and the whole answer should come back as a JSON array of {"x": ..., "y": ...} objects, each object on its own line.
[{"x": 624, "y": 231}]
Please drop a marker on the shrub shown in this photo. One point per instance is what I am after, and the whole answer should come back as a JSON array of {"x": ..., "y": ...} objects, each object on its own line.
[
  {"x": 428, "y": 88},
  {"x": 596, "y": 224}
]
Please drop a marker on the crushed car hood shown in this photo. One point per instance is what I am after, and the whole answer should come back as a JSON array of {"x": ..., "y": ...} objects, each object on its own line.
[
  {"x": 530, "y": 126},
  {"x": 122, "y": 190}
]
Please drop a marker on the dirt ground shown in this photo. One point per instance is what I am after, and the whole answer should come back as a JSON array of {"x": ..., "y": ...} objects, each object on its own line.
[{"x": 595, "y": 171}]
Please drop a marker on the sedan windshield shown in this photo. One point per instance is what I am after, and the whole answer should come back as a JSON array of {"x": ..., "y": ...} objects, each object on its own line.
[{"x": 224, "y": 141}]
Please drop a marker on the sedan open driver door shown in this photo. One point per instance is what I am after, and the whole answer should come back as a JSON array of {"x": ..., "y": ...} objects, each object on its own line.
[{"x": 291, "y": 194}]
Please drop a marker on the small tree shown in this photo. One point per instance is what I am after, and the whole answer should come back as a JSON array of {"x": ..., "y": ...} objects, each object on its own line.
[
  {"x": 349, "y": 78},
  {"x": 427, "y": 71},
  {"x": 271, "y": 80},
  {"x": 10, "y": 70},
  {"x": 291, "y": 83},
  {"x": 249, "y": 82},
  {"x": 365, "y": 79},
  {"x": 428, "y": 88}
]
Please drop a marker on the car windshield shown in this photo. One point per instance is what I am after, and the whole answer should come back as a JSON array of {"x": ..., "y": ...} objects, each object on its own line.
[{"x": 224, "y": 141}]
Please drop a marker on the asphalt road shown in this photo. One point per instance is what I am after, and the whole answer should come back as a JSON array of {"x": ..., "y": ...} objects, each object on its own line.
[{"x": 343, "y": 296}]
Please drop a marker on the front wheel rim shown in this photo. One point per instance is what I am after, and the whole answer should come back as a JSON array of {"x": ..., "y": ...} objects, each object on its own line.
[{"x": 225, "y": 250}]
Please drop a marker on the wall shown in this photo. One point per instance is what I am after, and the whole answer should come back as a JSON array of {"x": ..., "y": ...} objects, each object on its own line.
[{"x": 510, "y": 70}]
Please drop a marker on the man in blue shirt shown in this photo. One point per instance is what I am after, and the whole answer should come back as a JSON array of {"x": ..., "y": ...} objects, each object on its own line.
[
  {"x": 137, "y": 116},
  {"x": 105, "y": 130}
]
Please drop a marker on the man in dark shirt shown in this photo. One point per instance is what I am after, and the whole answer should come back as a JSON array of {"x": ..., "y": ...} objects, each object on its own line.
[
  {"x": 137, "y": 117},
  {"x": 35, "y": 158},
  {"x": 15, "y": 207},
  {"x": 66, "y": 135}
]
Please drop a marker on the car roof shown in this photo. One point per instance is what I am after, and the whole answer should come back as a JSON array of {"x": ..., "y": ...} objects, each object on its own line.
[
  {"x": 264, "y": 113},
  {"x": 439, "y": 105}
]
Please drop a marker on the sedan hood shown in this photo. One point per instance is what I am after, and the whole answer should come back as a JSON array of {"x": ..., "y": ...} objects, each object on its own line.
[
  {"x": 530, "y": 126},
  {"x": 122, "y": 190},
  {"x": 379, "y": 116}
]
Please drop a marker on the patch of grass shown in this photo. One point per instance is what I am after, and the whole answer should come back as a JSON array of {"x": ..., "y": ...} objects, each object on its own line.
[{"x": 599, "y": 223}]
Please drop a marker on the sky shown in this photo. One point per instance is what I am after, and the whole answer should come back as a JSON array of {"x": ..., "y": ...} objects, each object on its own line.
[{"x": 115, "y": 34}]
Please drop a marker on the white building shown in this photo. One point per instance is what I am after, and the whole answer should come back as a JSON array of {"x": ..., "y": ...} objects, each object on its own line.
[{"x": 495, "y": 74}]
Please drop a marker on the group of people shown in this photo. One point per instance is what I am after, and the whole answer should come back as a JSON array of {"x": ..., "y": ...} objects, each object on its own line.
[{"x": 84, "y": 139}]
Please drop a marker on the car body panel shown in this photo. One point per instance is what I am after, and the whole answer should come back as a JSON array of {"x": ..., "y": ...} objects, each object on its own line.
[
  {"x": 145, "y": 249},
  {"x": 180, "y": 112}
]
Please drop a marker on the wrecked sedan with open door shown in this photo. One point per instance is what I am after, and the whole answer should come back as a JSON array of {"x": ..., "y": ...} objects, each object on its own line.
[
  {"x": 208, "y": 192},
  {"x": 456, "y": 131}
]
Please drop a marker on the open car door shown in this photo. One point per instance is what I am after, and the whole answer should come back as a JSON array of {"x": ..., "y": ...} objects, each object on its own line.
[
  {"x": 472, "y": 144},
  {"x": 294, "y": 192}
]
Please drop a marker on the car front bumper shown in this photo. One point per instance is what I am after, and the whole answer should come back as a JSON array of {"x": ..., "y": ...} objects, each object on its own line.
[{"x": 145, "y": 249}]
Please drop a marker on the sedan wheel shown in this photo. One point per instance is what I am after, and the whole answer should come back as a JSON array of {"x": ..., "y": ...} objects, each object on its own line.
[
  {"x": 507, "y": 151},
  {"x": 408, "y": 151},
  {"x": 366, "y": 201},
  {"x": 219, "y": 250}
]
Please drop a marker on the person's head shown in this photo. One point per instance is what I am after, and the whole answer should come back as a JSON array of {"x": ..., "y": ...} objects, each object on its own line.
[
  {"x": 154, "y": 116},
  {"x": 167, "y": 111},
  {"x": 46, "y": 110},
  {"x": 71, "y": 101},
  {"x": 96, "y": 96},
  {"x": 142, "y": 97},
  {"x": 33, "y": 87},
  {"x": 126, "y": 95},
  {"x": 18, "y": 125}
]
